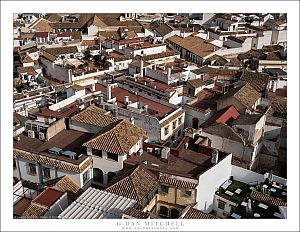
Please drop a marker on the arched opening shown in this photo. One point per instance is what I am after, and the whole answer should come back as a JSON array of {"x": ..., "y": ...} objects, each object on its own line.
[
  {"x": 163, "y": 211},
  {"x": 97, "y": 175},
  {"x": 195, "y": 123},
  {"x": 110, "y": 176},
  {"x": 174, "y": 213}
]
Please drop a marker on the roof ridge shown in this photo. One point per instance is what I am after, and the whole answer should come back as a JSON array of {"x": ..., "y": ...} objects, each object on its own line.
[
  {"x": 117, "y": 138},
  {"x": 134, "y": 189}
]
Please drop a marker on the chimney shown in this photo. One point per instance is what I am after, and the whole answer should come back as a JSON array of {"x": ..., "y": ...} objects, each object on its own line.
[
  {"x": 142, "y": 67},
  {"x": 100, "y": 98},
  {"x": 108, "y": 91},
  {"x": 18, "y": 139},
  {"x": 165, "y": 152},
  {"x": 132, "y": 120},
  {"x": 126, "y": 100},
  {"x": 186, "y": 146},
  {"x": 93, "y": 87},
  {"x": 214, "y": 156},
  {"x": 115, "y": 112},
  {"x": 169, "y": 72}
]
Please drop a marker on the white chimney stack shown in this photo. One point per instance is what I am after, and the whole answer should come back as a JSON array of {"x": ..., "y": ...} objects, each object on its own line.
[
  {"x": 142, "y": 67},
  {"x": 169, "y": 72},
  {"x": 108, "y": 91},
  {"x": 165, "y": 152},
  {"x": 215, "y": 156},
  {"x": 93, "y": 87},
  {"x": 126, "y": 100},
  {"x": 132, "y": 120}
]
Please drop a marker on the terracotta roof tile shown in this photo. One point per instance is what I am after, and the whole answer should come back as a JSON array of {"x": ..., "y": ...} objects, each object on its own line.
[
  {"x": 42, "y": 25},
  {"x": 136, "y": 213},
  {"x": 52, "y": 162},
  {"x": 194, "y": 44},
  {"x": 196, "y": 83},
  {"x": 163, "y": 29},
  {"x": 267, "y": 199},
  {"x": 175, "y": 182},
  {"x": 246, "y": 95},
  {"x": 258, "y": 81},
  {"x": 65, "y": 184},
  {"x": 34, "y": 211},
  {"x": 224, "y": 131},
  {"x": 117, "y": 138},
  {"x": 134, "y": 183},
  {"x": 61, "y": 50},
  {"x": 94, "y": 116},
  {"x": 29, "y": 70},
  {"x": 27, "y": 59},
  {"x": 197, "y": 214},
  {"x": 53, "y": 18}
]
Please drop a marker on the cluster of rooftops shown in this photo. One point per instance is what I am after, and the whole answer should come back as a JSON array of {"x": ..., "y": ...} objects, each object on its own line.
[{"x": 111, "y": 112}]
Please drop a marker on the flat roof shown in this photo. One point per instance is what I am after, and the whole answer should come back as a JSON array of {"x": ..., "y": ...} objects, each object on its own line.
[
  {"x": 206, "y": 100},
  {"x": 48, "y": 197},
  {"x": 97, "y": 204},
  {"x": 188, "y": 162},
  {"x": 155, "y": 109},
  {"x": 67, "y": 140}
]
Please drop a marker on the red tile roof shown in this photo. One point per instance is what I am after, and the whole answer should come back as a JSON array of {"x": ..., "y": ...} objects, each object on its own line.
[
  {"x": 41, "y": 34},
  {"x": 223, "y": 116},
  {"x": 48, "y": 197}
]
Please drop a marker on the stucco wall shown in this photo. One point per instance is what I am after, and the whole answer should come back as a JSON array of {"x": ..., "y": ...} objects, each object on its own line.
[
  {"x": 55, "y": 128},
  {"x": 210, "y": 181}
]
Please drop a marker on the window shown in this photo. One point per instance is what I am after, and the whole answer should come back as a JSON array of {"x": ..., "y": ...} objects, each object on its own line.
[
  {"x": 166, "y": 130},
  {"x": 188, "y": 193},
  {"x": 232, "y": 208},
  {"x": 28, "y": 127},
  {"x": 15, "y": 165},
  {"x": 179, "y": 121},
  {"x": 97, "y": 153},
  {"x": 85, "y": 176},
  {"x": 46, "y": 172},
  {"x": 174, "y": 125},
  {"x": 32, "y": 169},
  {"x": 165, "y": 189},
  {"x": 112, "y": 156},
  {"x": 221, "y": 204}
]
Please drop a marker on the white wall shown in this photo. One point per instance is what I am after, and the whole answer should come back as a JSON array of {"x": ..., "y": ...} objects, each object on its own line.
[
  {"x": 56, "y": 71},
  {"x": 60, "y": 205},
  {"x": 108, "y": 165},
  {"x": 67, "y": 101},
  {"x": 237, "y": 149},
  {"x": 246, "y": 176},
  {"x": 193, "y": 113},
  {"x": 227, "y": 209},
  {"x": 164, "y": 137},
  {"x": 210, "y": 181},
  {"x": 149, "y": 124},
  {"x": 149, "y": 51}
]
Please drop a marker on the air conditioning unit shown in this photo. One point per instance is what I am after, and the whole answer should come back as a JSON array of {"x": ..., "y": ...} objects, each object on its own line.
[
  {"x": 41, "y": 136},
  {"x": 31, "y": 134},
  {"x": 157, "y": 151},
  {"x": 140, "y": 152},
  {"x": 149, "y": 149}
]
